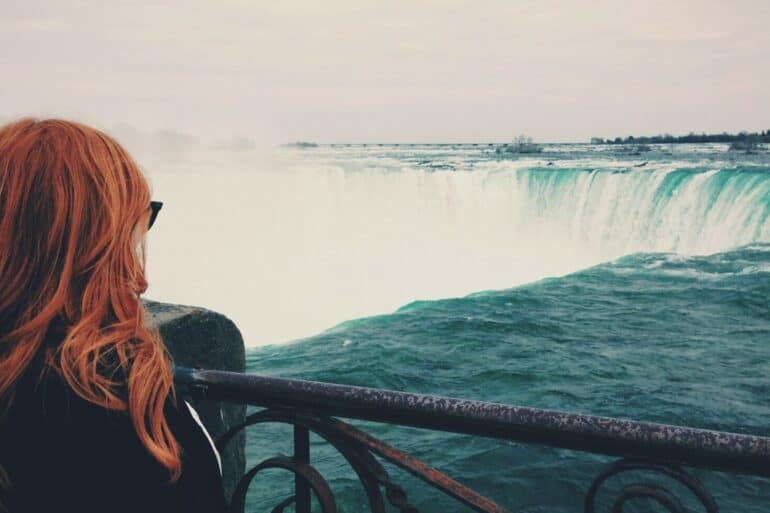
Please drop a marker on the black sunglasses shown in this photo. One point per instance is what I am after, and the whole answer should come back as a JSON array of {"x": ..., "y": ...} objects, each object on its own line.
[{"x": 155, "y": 207}]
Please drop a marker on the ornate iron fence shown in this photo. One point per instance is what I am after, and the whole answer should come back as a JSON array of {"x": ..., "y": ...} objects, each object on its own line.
[{"x": 313, "y": 407}]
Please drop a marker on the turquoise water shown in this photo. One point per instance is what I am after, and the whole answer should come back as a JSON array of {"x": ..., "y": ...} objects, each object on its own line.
[{"x": 677, "y": 334}]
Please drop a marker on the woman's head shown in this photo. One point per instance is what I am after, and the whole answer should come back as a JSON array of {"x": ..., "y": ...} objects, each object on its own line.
[{"x": 74, "y": 208}]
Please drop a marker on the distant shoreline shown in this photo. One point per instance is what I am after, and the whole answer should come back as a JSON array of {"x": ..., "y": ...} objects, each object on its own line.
[{"x": 691, "y": 138}]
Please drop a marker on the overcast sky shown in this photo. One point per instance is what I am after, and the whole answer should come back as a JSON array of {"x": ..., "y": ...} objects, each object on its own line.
[{"x": 337, "y": 71}]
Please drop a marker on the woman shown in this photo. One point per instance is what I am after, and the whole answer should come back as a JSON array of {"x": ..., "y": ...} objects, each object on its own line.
[{"x": 89, "y": 420}]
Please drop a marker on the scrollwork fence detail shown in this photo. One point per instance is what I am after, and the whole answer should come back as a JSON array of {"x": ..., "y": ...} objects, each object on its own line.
[{"x": 312, "y": 407}]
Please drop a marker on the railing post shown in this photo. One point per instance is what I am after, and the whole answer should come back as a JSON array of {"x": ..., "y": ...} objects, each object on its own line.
[{"x": 301, "y": 453}]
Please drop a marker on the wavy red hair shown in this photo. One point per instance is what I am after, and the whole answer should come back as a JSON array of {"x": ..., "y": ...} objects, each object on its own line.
[{"x": 74, "y": 208}]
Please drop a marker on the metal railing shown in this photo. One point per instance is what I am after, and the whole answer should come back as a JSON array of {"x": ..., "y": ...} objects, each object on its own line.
[{"x": 313, "y": 407}]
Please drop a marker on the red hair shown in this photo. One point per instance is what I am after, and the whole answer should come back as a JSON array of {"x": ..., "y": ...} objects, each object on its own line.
[{"x": 74, "y": 208}]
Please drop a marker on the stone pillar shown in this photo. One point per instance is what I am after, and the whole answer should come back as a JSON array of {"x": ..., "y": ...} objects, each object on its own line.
[{"x": 197, "y": 337}]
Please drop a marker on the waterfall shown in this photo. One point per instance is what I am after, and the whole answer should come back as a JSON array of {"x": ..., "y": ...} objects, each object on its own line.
[{"x": 291, "y": 248}]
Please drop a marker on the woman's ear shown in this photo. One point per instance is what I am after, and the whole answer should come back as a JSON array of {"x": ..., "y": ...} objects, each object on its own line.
[
  {"x": 138, "y": 243},
  {"x": 142, "y": 285}
]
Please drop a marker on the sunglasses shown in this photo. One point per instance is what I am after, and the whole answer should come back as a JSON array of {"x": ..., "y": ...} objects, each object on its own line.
[{"x": 155, "y": 207}]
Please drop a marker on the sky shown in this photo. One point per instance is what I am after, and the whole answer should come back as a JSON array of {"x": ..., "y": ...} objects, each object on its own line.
[{"x": 390, "y": 71}]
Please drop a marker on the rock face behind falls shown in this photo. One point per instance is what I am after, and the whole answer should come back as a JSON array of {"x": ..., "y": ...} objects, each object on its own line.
[{"x": 197, "y": 337}]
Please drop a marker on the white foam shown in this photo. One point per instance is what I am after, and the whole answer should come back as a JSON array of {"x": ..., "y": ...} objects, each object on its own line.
[{"x": 292, "y": 244}]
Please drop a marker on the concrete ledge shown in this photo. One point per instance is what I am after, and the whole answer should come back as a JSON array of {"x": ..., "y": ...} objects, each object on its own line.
[{"x": 197, "y": 337}]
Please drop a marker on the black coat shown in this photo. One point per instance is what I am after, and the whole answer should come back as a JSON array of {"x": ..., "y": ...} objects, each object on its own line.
[{"x": 62, "y": 453}]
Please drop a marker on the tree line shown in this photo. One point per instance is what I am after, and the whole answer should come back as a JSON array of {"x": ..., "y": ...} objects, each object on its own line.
[{"x": 724, "y": 137}]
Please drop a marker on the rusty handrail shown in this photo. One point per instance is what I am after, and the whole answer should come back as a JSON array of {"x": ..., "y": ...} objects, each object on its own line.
[{"x": 731, "y": 452}]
